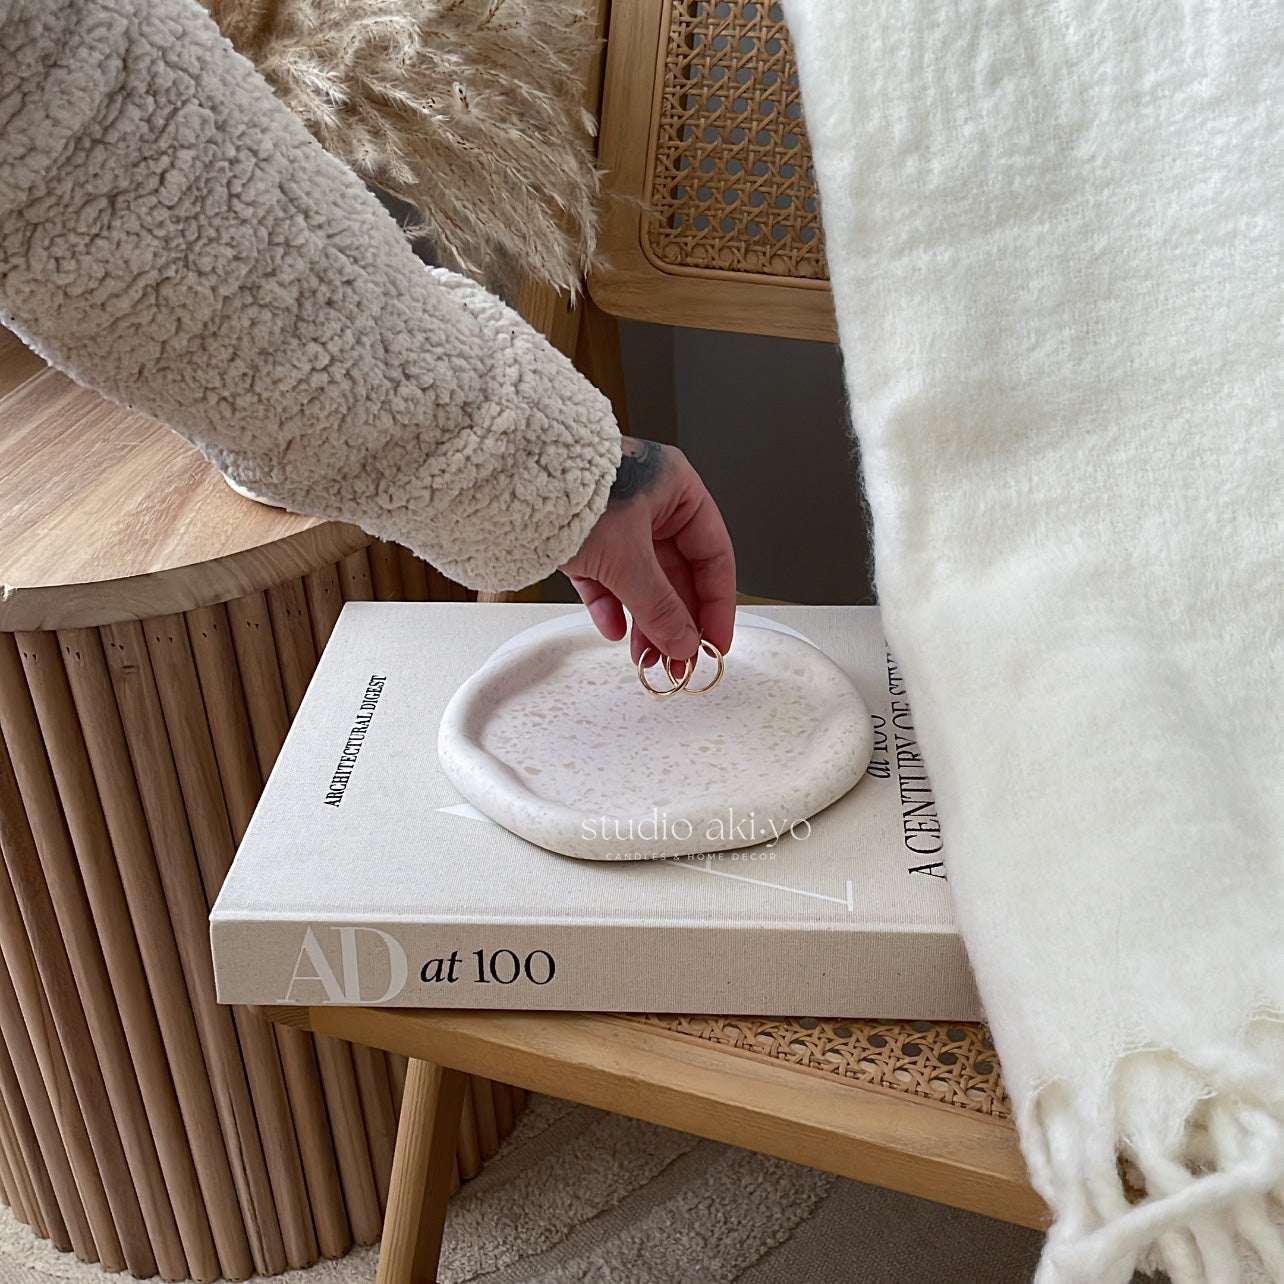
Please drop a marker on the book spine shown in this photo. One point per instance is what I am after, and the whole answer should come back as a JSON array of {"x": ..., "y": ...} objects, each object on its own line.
[{"x": 792, "y": 971}]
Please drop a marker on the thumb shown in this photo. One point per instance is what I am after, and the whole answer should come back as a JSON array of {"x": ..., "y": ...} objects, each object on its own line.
[{"x": 658, "y": 611}]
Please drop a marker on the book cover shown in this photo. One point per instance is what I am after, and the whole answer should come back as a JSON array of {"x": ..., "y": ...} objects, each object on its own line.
[{"x": 363, "y": 877}]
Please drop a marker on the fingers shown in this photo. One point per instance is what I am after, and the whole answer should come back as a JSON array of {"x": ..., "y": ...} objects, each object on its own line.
[
  {"x": 640, "y": 644},
  {"x": 658, "y": 588},
  {"x": 603, "y": 607},
  {"x": 705, "y": 547},
  {"x": 662, "y": 553},
  {"x": 677, "y": 570},
  {"x": 660, "y": 617}
]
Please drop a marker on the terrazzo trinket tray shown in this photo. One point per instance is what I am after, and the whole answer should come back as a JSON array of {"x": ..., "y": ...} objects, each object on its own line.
[{"x": 555, "y": 738}]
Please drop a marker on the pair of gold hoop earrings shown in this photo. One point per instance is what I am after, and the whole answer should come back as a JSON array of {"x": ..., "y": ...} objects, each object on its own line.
[{"x": 680, "y": 684}]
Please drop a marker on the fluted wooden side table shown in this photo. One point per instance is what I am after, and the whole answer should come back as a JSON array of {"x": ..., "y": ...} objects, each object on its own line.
[{"x": 157, "y": 632}]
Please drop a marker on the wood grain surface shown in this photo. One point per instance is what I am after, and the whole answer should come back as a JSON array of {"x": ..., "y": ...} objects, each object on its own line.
[
  {"x": 951, "y": 1156},
  {"x": 107, "y": 515}
]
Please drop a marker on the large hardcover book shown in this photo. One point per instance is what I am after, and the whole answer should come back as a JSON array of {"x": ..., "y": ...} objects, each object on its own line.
[{"x": 364, "y": 878}]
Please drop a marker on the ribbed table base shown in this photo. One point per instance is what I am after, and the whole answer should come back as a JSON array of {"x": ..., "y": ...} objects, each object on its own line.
[{"x": 143, "y": 1125}]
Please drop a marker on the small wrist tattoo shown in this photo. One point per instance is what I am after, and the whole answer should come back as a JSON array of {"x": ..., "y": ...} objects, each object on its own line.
[{"x": 642, "y": 463}]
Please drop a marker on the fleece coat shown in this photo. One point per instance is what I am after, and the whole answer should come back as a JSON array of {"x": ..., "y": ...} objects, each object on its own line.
[{"x": 171, "y": 235}]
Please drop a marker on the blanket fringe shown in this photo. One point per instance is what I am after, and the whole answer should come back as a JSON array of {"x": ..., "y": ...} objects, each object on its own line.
[{"x": 1178, "y": 1167}]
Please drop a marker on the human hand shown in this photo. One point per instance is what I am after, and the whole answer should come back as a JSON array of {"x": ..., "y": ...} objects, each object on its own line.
[{"x": 660, "y": 549}]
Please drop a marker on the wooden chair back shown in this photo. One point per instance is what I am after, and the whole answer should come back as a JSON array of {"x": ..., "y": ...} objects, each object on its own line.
[{"x": 710, "y": 215}]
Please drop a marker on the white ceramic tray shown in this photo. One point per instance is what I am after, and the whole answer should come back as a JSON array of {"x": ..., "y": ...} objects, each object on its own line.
[{"x": 554, "y": 738}]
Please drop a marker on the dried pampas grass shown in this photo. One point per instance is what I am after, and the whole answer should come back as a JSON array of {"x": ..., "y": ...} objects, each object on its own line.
[{"x": 469, "y": 111}]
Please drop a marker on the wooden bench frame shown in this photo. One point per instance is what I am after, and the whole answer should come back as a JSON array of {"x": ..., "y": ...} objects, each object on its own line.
[{"x": 955, "y": 1157}]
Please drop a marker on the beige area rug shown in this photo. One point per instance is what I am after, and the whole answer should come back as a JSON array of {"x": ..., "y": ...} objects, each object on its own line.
[{"x": 583, "y": 1196}]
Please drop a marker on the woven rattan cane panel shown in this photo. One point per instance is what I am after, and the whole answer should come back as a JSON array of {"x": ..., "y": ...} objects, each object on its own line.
[
  {"x": 732, "y": 182},
  {"x": 951, "y": 1064}
]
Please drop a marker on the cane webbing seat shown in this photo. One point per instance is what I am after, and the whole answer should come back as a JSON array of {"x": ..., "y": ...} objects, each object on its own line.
[{"x": 949, "y": 1063}]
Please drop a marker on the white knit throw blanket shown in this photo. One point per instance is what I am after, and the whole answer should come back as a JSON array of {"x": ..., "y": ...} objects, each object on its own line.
[{"x": 1055, "y": 236}]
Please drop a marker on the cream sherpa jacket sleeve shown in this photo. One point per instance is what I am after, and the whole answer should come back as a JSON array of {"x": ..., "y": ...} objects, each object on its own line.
[{"x": 172, "y": 236}]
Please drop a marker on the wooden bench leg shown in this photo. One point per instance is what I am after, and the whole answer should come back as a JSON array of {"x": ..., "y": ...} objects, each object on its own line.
[{"x": 421, "y": 1170}]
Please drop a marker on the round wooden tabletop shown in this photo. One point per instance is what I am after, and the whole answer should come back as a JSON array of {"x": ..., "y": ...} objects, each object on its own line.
[{"x": 107, "y": 515}]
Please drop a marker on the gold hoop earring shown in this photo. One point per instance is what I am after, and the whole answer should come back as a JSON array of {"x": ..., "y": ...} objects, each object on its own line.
[
  {"x": 709, "y": 649},
  {"x": 673, "y": 690}
]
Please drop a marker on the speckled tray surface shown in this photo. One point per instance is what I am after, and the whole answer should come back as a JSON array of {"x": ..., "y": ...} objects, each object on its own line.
[{"x": 555, "y": 738}]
